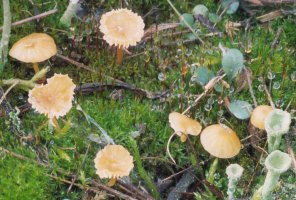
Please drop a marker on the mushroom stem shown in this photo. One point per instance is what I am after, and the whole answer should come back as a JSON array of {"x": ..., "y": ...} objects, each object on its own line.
[
  {"x": 36, "y": 67},
  {"x": 37, "y": 70},
  {"x": 183, "y": 137},
  {"x": 112, "y": 182},
  {"x": 119, "y": 55},
  {"x": 168, "y": 147},
  {"x": 55, "y": 123}
]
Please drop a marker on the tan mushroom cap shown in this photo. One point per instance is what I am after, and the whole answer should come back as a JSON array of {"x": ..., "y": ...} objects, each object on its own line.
[
  {"x": 122, "y": 27},
  {"x": 55, "y": 98},
  {"x": 114, "y": 161},
  {"x": 220, "y": 141},
  {"x": 183, "y": 124},
  {"x": 259, "y": 115},
  {"x": 34, "y": 48}
]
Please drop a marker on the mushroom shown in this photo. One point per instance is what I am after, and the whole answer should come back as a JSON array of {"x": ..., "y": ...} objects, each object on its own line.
[
  {"x": 259, "y": 115},
  {"x": 220, "y": 141},
  {"x": 53, "y": 99},
  {"x": 113, "y": 162},
  {"x": 184, "y": 126},
  {"x": 122, "y": 28},
  {"x": 34, "y": 48}
]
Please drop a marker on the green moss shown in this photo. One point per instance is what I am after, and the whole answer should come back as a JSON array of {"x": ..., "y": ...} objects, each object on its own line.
[{"x": 23, "y": 180}]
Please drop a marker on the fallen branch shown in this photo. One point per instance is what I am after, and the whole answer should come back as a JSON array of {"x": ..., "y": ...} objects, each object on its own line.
[
  {"x": 100, "y": 186},
  {"x": 91, "y": 87},
  {"x": 42, "y": 15},
  {"x": 270, "y": 2},
  {"x": 208, "y": 88}
]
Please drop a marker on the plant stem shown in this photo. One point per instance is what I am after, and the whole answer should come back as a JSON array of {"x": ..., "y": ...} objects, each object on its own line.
[
  {"x": 143, "y": 174},
  {"x": 23, "y": 83},
  {"x": 5, "y": 34},
  {"x": 212, "y": 171}
]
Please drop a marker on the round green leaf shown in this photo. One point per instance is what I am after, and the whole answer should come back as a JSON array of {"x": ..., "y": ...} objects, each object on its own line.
[
  {"x": 188, "y": 18},
  {"x": 214, "y": 18},
  {"x": 200, "y": 10},
  {"x": 240, "y": 109},
  {"x": 202, "y": 75},
  {"x": 232, "y": 8},
  {"x": 232, "y": 62}
]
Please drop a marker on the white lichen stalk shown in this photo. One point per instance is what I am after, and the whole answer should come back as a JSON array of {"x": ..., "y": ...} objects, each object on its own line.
[
  {"x": 276, "y": 163},
  {"x": 5, "y": 34},
  {"x": 277, "y": 124},
  {"x": 234, "y": 173},
  {"x": 69, "y": 13}
]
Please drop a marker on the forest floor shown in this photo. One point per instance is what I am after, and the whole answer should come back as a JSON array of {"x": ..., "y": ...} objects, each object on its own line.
[{"x": 132, "y": 102}]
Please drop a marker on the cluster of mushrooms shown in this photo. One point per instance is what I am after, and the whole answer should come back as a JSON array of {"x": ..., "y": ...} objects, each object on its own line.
[
  {"x": 123, "y": 28},
  {"x": 217, "y": 139}
]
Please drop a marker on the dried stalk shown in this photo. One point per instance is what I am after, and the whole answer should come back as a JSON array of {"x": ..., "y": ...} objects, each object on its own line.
[{"x": 42, "y": 15}]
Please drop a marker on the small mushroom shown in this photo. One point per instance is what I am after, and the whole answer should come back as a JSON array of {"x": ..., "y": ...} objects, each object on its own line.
[
  {"x": 34, "y": 48},
  {"x": 122, "y": 28},
  {"x": 53, "y": 99},
  {"x": 184, "y": 126},
  {"x": 220, "y": 141},
  {"x": 113, "y": 162},
  {"x": 259, "y": 115}
]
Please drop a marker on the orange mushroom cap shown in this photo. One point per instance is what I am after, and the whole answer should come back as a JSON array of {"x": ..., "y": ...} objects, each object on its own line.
[
  {"x": 114, "y": 161},
  {"x": 220, "y": 141},
  {"x": 34, "y": 48},
  {"x": 259, "y": 115},
  {"x": 55, "y": 98},
  {"x": 122, "y": 27},
  {"x": 183, "y": 124}
]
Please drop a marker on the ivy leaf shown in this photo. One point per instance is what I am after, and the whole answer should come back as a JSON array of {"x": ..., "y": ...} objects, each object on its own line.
[{"x": 240, "y": 109}]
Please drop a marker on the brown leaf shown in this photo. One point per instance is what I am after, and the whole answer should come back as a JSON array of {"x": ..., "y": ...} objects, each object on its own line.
[{"x": 242, "y": 79}]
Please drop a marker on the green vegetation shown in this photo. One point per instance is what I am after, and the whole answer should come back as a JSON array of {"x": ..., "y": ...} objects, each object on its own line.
[{"x": 161, "y": 63}]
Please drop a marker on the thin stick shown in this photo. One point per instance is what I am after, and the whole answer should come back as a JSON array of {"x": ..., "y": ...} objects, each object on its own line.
[
  {"x": 21, "y": 157},
  {"x": 78, "y": 170},
  {"x": 251, "y": 90},
  {"x": 185, "y": 22},
  {"x": 208, "y": 87},
  {"x": 86, "y": 187},
  {"x": 268, "y": 96},
  {"x": 8, "y": 90},
  {"x": 42, "y": 15}
]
